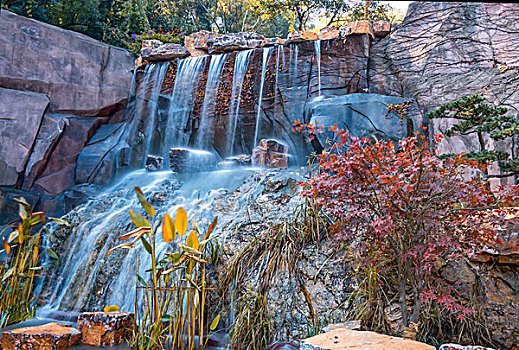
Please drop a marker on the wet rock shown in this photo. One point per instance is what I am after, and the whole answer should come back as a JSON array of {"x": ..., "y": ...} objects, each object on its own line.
[
  {"x": 184, "y": 160},
  {"x": 272, "y": 41},
  {"x": 21, "y": 114},
  {"x": 164, "y": 52},
  {"x": 234, "y": 42},
  {"x": 381, "y": 28},
  {"x": 348, "y": 339},
  {"x": 235, "y": 161},
  {"x": 154, "y": 163},
  {"x": 80, "y": 75},
  {"x": 357, "y": 27},
  {"x": 297, "y": 37},
  {"x": 270, "y": 154},
  {"x": 50, "y": 336},
  {"x": 330, "y": 32},
  {"x": 105, "y": 328}
]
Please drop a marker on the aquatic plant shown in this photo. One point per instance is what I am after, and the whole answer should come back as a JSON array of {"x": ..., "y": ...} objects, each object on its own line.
[
  {"x": 170, "y": 302},
  {"x": 21, "y": 265}
]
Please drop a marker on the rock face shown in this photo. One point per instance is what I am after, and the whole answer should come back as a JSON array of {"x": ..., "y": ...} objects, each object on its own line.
[
  {"x": 56, "y": 88},
  {"x": 50, "y": 336},
  {"x": 234, "y": 42},
  {"x": 443, "y": 51},
  {"x": 342, "y": 338},
  {"x": 270, "y": 154},
  {"x": 104, "y": 328}
]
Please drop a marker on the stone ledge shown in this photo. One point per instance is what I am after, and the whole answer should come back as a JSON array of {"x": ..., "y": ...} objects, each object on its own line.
[{"x": 50, "y": 336}]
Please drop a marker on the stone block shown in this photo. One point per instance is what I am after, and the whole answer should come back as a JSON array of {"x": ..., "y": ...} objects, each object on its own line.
[
  {"x": 297, "y": 37},
  {"x": 184, "y": 160},
  {"x": 381, "y": 28},
  {"x": 330, "y": 32},
  {"x": 234, "y": 42},
  {"x": 154, "y": 163},
  {"x": 270, "y": 154},
  {"x": 50, "y": 336},
  {"x": 105, "y": 328},
  {"x": 357, "y": 27},
  {"x": 164, "y": 52}
]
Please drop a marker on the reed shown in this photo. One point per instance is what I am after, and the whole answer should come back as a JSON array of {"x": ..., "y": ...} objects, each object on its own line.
[{"x": 170, "y": 300}]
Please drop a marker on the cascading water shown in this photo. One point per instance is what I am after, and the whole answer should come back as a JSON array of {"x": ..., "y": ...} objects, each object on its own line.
[
  {"x": 151, "y": 119},
  {"x": 266, "y": 56},
  {"x": 240, "y": 68},
  {"x": 317, "y": 45},
  {"x": 205, "y": 131},
  {"x": 188, "y": 74}
]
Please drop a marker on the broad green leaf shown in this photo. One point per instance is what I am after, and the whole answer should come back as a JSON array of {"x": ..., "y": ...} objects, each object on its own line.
[
  {"x": 60, "y": 222},
  {"x": 142, "y": 281},
  {"x": 135, "y": 233},
  {"x": 9, "y": 273},
  {"x": 52, "y": 254},
  {"x": 144, "y": 202},
  {"x": 181, "y": 221},
  {"x": 111, "y": 308},
  {"x": 7, "y": 247},
  {"x": 215, "y": 322},
  {"x": 146, "y": 245},
  {"x": 168, "y": 229},
  {"x": 211, "y": 228},
  {"x": 125, "y": 245},
  {"x": 192, "y": 240},
  {"x": 25, "y": 209},
  {"x": 190, "y": 250},
  {"x": 138, "y": 220}
]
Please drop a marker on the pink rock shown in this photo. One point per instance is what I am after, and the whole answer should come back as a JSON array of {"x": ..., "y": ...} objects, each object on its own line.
[
  {"x": 330, "y": 32},
  {"x": 297, "y": 37},
  {"x": 270, "y": 154},
  {"x": 167, "y": 51},
  {"x": 381, "y": 28},
  {"x": 105, "y": 328},
  {"x": 50, "y": 336}
]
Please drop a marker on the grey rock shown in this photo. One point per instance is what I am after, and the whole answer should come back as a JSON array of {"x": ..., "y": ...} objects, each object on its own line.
[
  {"x": 234, "y": 42},
  {"x": 80, "y": 75},
  {"x": 154, "y": 163},
  {"x": 185, "y": 160},
  {"x": 21, "y": 114},
  {"x": 164, "y": 52}
]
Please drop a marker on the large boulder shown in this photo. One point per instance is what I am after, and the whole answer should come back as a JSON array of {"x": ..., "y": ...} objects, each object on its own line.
[
  {"x": 80, "y": 75},
  {"x": 21, "y": 115},
  {"x": 164, "y": 52},
  {"x": 184, "y": 160}
]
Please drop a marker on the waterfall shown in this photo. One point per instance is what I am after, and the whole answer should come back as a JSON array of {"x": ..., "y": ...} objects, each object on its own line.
[
  {"x": 206, "y": 129},
  {"x": 266, "y": 56},
  {"x": 240, "y": 68},
  {"x": 317, "y": 45},
  {"x": 178, "y": 130},
  {"x": 151, "y": 119}
]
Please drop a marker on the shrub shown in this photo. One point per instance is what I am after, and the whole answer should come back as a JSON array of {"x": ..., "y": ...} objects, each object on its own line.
[{"x": 406, "y": 211}]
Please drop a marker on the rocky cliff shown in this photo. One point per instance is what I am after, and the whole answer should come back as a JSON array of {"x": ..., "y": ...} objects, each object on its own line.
[{"x": 56, "y": 88}]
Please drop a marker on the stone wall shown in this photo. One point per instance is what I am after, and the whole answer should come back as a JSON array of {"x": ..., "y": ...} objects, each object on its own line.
[{"x": 56, "y": 88}]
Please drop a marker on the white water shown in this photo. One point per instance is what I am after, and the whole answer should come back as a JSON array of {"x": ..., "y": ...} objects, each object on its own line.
[
  {"x": 266, "y": 56},
  {"x": 206, "y": 131},
  {"x": 182, "y": 98},
  {"x": 317, "y": 45},
  {"x": 240, "y": 68}
]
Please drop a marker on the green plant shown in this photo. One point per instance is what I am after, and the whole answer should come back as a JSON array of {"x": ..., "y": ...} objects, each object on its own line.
[
  {"x": 21, "y": 265},
  {"x": 170, "y": 304},
  {"x": 483, "y": 120}
]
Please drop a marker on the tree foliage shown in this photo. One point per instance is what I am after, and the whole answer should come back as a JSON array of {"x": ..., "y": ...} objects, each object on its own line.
[
  {"x": 475, "y": 117},
  {"x": 406, "y": 212}
]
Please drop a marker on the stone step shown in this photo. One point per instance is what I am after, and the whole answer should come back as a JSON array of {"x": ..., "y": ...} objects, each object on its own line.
[
  {"x": 339, "y": 339},
  {"x": 50, "y": 336}
]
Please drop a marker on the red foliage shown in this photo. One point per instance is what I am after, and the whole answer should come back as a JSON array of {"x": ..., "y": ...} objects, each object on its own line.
[{"x": 404, "y": 208}]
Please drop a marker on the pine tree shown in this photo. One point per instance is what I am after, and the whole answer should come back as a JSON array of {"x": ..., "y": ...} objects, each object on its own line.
[{"x": 479, "y": 118}]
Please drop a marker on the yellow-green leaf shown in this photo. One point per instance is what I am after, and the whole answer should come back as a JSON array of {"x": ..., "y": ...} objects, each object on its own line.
[
  {"x": 190, "y": 250},
  {"x": 7, "y": 247},
  {"x": 144, "y": 202},
  {"x": 215, "y": 322},
  {"x": 125, "y": 245},
  {"x": 111, "y": 308},
  {"x": 60, "y": 222},
  {"x": 168, "y": 229},
  {"x": 52, "y": 254},
  {"x": 192, "y": 240},
  {"x": 25, "y": 208},
  {"x": 138, "y": 220},
  {"x": 181, "y": 221},
  {"x": 137, "y": 232},
  {"x": 12, "y": 236},
  {"x": 211, "y": 228},
  {"x": 146, "y": 245}
]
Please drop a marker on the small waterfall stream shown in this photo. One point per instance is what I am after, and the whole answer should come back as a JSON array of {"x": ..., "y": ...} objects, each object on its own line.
[
  {"x": 317, "y": 45},
  {"x": 240, "y": 68},
  {"x": 266, "y": 56}
]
